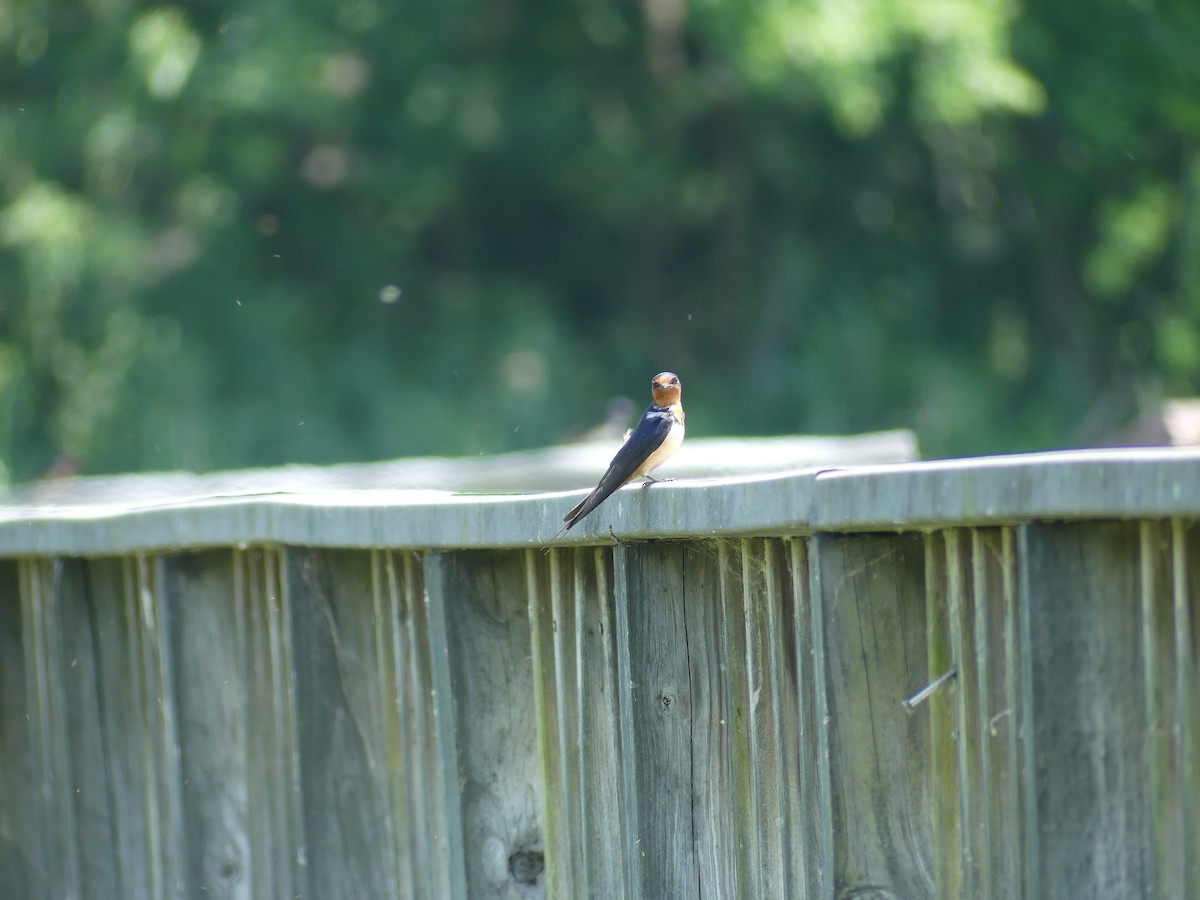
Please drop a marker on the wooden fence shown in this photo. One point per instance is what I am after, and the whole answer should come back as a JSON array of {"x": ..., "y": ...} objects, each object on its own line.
[{"x": 369, "y": 695}]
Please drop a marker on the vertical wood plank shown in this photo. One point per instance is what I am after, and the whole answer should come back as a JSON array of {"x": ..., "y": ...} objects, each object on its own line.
[
  {"x": 710, "y": 717},
  {"x": 603, "y": 836},
  {"x": 162, "y": 739},
  {"x": 1170, "y": 582},
  {"x": 813, "y": 843},
  {"x": 874, "y": 616},
  {"x": 486, "y": 706},
  {"x": 985, "y": 776},
  {"x": 350, "y": 846},
  {"x": 210, "y": 678},
  {"x": 970, "y": 661},
  {"x": 432, "y": 836},
  {"x": 726, "y": 822},
  {"x": 575, "y": 688},
  {"x": 1081, "y": 581},
  {"x": 759, "y": 689},
  {"x": 825, "y": 870},
  {"x": 780, "y": 791},
  {"x": 558, "y": 832},
  {"x": 942, "y": 711},
  {"x": 656, "y": 720},
  {"x": 1185, "y": 552},
  {"x": 396, "y": 754},
  {"x": 111, "y": 840},
  {"x": 19, "y": 842},
  {"x": 120, "y": 693},
  {"x": 438, "y": 594},
  {"x": 88, "y": 788},
  {"x": 565, "y": 624},
  {"x": 405, "y": 690},
  {"x": 278, "y": 854},
  {"x": 57, "y": 856},
  {"x": 1002, "y": 715},
  {"x": 1157, "y": 588},
  {"x": 121, "y": 708},
  {"x": 743, "y": 658},
  {"x": 558, "y": 829},
  {"x": 977, "y": 719}
]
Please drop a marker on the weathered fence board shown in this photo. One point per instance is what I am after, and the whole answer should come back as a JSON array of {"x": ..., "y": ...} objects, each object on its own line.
[
  {"x": 977, "y": 721},
  {"x": 487, "y": 699},
  {"x": 1081, "y": 583},
  {"x": 208, "y": 645},
  {"x": 656, "y": 721},
  {"x": 373, "y": 695},
  {"x": 341, "y": 725},
  {"x": 574, "y": 657},
  {"x": 19, "y": 856},
  {"x": 1169, "y": 633},
  {"x": 875, "y": 644}
]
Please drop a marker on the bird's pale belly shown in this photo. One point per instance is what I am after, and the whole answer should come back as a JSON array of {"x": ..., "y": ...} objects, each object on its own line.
[{"x": 669, "y": 445}]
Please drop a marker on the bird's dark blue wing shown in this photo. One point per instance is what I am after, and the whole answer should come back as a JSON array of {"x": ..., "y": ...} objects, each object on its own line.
[{"x": 647, "y": 437}]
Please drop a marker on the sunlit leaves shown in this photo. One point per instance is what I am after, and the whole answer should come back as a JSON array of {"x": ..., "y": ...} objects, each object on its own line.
[
  {"x": 112, "y": 148},
  {"x": 51, "y": 228},
  {"x": 165, "y": 49},
  {"x": 851, "y": 51},
  {"x": 1133, "y": 234},
  {"x": 218, "y": 221},
  {"x": 1178, "y": 340}
]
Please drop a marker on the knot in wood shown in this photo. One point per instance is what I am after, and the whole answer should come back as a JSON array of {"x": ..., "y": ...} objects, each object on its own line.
[
  {"x": 667, "y": 700},
  {"x": 526, "y": 865}
]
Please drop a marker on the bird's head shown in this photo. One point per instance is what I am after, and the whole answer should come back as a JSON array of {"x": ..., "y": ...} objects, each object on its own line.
[{"x": 664, "y": 387}]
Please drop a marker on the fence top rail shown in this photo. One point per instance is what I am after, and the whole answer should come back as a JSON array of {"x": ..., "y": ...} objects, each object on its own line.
[
  {"x": 1149, "y": 484},
  {"x": 559, "y": 468},
  {"x": 1143, "y": 483}
]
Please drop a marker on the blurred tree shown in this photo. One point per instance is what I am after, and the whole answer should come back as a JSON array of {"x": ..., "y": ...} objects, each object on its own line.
[{"x": 251, "y": 233}]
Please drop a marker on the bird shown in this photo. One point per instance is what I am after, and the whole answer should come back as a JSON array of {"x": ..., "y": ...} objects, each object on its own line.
[{"x": 650, "y": 444}]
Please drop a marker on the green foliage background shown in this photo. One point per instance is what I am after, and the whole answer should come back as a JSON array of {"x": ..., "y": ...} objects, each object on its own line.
[{"x": 258, "y": 232}]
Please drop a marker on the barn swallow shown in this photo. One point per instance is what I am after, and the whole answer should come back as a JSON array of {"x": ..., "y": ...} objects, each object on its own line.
[{"x": 649, "y": 445}]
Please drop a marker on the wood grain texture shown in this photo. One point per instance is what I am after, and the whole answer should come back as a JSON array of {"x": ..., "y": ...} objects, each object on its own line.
[
  {"x": 1169, "y": 585},
  {"x": 941, "y": 709},
  {"x": 49, "y": 844},
  {"x": 656, "y": 698},
  {"x": 812, "y": 838},
  {"x": 980, "y": 769},
  {"x": 693, "y": 717},
  {"x": 275, "y": 816},
  {"x": 574, "y": 656},
  {"x": 209, "y": 653},
  {"x": 1080, "y": 583},
  {"x": 709, "y": 718},
  {"x": 1180, "y": 845},
  {"x": 873, "y": 627},
  {"x": 20, "y": 851},
  {"x": 342, "y": 746},
  {"x": 406, "y": 687},
  {"x": 1004, "y": 768},
  {"x": 486, "y": 712},
  {"x": 774, "y": 728}
]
